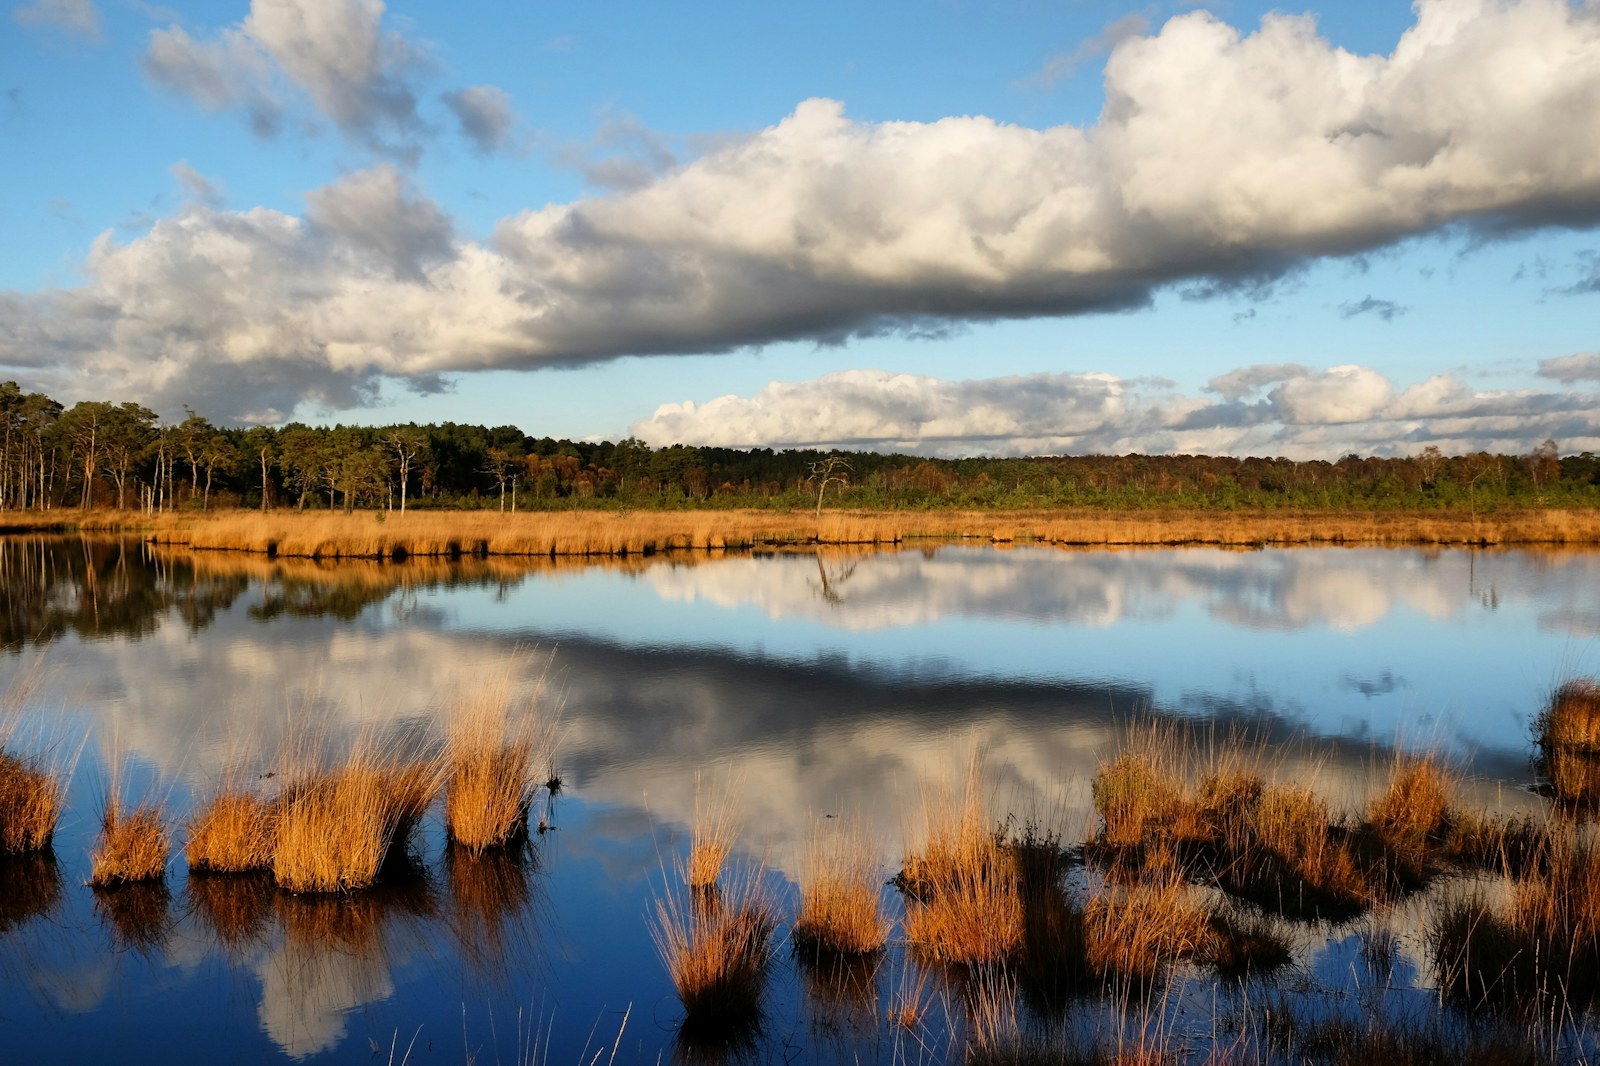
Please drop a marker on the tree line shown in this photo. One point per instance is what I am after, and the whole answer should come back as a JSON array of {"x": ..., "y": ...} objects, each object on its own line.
[{"x": 122, "y": 455}]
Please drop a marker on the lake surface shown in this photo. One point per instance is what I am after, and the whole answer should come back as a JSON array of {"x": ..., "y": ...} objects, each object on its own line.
[{"x": 805, "y": 687}]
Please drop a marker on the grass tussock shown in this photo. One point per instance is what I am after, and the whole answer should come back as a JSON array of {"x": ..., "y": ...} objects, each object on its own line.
[
  {"x": 1567, "y": 734},
  {"x": 491, "y": 748},
  {"x": 1135, "y": 925},
  {"x": 963, "y": 888},
  {"x": 232, "y": 832},
  {"x": 710, "y": 838},
  {"x": 133, "y": 846},
  {"x": 841, "y": 903},
  {"x": 718, "y": 954},
  {"x": 337, "y": 827},
  {"x": 31, "y": 799},
  {"x": 1541, "y": 947},
  {"x": 1278, "y": 845}
]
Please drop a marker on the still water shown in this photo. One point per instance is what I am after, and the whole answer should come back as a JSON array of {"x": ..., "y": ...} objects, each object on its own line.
[{"x": 805, "y": 687}]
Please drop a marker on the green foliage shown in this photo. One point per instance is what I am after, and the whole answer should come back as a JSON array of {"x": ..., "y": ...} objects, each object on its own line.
[{"x": 105, "y": 454}]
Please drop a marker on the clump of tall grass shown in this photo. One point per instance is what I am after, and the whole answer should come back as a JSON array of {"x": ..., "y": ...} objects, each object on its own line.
[
  {"x": 133, "y": 845},
  {"x": 841, "y": 906},
  {"x": 1567, "y": 733},
  {"x": 491, "y": 748},
  {"x": 1543, "y": 946},
  {"x": 963, "y": 891},
  {"x": 718, "y": 952},
  {"x": 234, "y": 831},
  {"x": 1135, "y": 925},
  {"x": 32, "y": 793},
  {"x": 31, "y": 799},
  {"x": 710, "y": 838},
  {"x": 336, "y": 827}
]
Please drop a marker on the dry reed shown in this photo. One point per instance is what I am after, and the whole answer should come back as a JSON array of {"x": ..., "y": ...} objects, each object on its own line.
[
  {"x": 489, "y": 757},
  {"x": 963, "y": 890},
  {"x": 31, "y": 799},
  {"x": 1567, "y": 733},
  {"x": 553, "y": 534},
  {"x": 132, "y": 847},
  {"x": 710, "y": 838},
  {"x": 841, "y": 904},
  {"x": 718, "y": 955},
  {"x": 232, "y": 832},
  {"x": 1543, "y": 947}
]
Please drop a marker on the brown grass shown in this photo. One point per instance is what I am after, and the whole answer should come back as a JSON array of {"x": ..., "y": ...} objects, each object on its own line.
[
  {"x": 710, "y": 838},
  {"x": 422, "y": 533},
  {"x": 963, "y": 890},
  {"x": 1135, "y": 925},
  {"x": 132, "y": 847},
  {"x": 490, "y": 752},
  {"x": 1567, "y": 733},
  {"x": 718, "y": 956},
  {"x": 336, "y": 827},
  {"x": 1544, "y": 946},
  {"x": 232, "y": 832},
  {"x": 841, "y": 902},
  {"x": 31, "y": 799}
]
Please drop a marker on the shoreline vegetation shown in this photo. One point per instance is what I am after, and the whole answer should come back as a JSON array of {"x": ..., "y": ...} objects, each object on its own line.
[{"x": 390, "y": 535}]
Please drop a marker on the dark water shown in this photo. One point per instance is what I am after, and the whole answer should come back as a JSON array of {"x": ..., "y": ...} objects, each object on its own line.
[{"x": 805, "y": 687}]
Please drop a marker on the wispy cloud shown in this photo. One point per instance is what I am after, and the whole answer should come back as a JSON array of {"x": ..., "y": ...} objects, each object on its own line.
[
  {"x": 196, "y": 186},
  {"x": 1387, "y": 310},
  {"x": 1062, "y": 65},
  {"x": 485, "y": 115},
  {"x": 77, "y": 18}
]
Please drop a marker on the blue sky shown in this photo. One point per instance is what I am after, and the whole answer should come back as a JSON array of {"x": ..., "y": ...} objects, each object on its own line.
[{"x": 954, "y": 228}]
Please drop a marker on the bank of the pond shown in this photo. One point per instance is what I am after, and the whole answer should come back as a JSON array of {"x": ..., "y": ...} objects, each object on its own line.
[{"x": 588, "y": 533}]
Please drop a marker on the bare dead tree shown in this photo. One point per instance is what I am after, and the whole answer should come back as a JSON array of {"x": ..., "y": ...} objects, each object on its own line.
[{"x": 834, "y": 470}]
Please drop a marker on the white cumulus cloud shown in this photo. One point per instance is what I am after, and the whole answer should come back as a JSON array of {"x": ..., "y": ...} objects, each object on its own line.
[{"x": 1221, "y": 158}]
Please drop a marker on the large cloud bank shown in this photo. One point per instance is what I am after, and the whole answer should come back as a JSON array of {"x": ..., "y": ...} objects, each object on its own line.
[
  {"x": 1288, "y": 410},
  {"x": 1219, "y": 157}
]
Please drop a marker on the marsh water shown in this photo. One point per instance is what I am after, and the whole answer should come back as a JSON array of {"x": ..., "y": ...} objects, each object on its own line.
[{"x": 800, "y": 687}]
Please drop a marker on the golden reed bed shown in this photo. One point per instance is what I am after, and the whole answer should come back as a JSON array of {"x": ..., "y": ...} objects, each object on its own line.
[{"x": 607, "y": 533}]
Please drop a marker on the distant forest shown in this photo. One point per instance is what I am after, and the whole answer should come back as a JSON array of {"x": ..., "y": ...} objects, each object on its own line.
[{"x": 100, "y": 454}]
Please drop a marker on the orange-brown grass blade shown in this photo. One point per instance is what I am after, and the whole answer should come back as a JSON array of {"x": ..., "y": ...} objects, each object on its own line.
[
  {"x": 491, "y": 749},
  {"x": 31, "y": 799},
  {"x": 133, "y": 846},
  {"x": 963, "y": 891},
  {"x": 718, "y": 957},
  {"x": 711, "y": 837},
  {"x": 841, "y": 900},
  {"x": 232, "y": 832}
]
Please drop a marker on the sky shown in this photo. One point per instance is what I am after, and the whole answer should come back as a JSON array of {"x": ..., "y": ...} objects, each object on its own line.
[{"x": 951, "y": 227}]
